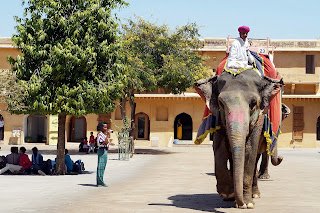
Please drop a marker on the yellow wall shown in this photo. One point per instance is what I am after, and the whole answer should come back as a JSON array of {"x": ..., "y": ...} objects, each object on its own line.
[
  {"x": 311, "y": 114},
  {"x": 164, "y": 130},
  {"x": 4, "y": 54}
]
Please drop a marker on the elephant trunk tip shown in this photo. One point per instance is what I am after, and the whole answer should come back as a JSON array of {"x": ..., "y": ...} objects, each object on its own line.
[{"x": 276, "y": 161}]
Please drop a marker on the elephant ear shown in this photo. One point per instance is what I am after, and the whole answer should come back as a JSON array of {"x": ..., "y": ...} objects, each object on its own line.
[
  {"x": 206, "y": 88},
  {"x": 268, "y": 88}
]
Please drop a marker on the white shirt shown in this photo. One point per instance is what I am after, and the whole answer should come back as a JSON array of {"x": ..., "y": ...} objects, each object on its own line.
[
  {"x": 239, "y": 55},
  {"x": 102, "y": 139}
]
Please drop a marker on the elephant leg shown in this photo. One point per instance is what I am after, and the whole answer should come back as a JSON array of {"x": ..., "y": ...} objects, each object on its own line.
[
  {"x": 251, "y": 151},
  {"x": 263, "y": 171},
  {"x": 255, "y": 188},
  {"x": 261, "y": 149},
  {"x": 221, "y": 157}
]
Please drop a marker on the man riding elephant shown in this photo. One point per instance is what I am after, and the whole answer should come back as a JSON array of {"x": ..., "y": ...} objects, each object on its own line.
[{"x": 239, "y": 55}]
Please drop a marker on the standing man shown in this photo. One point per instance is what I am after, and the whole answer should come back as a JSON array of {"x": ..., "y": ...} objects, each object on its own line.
[{"x": 239, "y": 54}]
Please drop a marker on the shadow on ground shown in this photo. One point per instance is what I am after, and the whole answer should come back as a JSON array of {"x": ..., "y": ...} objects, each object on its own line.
[
  {"x": 86, "y": 184},
  {"x": 151, "y": 152},
  {"x": 114, "y": 150},
  {"x": 200, "y": 202}
]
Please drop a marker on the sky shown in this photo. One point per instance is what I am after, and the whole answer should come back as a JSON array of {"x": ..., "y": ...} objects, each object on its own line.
[{"x": 275, "y": 19}]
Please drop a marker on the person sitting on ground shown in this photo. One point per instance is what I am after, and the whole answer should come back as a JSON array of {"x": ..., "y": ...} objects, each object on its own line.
[
  {"x": 24, "y": 161},
  {"x": 72, "y": 167},
  {"x": 12, "y": 162},
  {"x": 68, "y": 161},
  {"x": 3, "y": 161},
  {"x": 37, "y": 162},
  {"x": 83, "y": 146},
  {"x": 239, "y": 55}
]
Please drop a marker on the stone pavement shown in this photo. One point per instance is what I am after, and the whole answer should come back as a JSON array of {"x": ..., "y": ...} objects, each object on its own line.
[{"x": 177, "y": 179}]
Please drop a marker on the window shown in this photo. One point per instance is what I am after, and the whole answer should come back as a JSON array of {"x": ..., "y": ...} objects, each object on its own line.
[
  {"x": 162, "y": 114},
  {"x": 298, "y": 123},
  {"x": 310, "y": 65}
]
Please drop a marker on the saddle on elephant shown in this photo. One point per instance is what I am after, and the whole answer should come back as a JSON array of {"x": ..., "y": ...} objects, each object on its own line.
[{"x": 272, "y": 121}]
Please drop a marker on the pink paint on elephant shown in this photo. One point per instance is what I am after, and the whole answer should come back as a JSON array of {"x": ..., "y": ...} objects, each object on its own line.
[{"x": 236, "y": 116}]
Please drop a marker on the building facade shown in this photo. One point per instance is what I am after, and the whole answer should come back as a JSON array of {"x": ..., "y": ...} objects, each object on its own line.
[{"x": 164, "y": 119}]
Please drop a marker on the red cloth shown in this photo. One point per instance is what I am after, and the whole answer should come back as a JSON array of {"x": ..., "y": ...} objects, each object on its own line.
[
  {"x": 24, "y": 161},
  {"x": 275, "y": 102},
  {"x": 220, "y": 67},
  {"x": 91, "y": 139}
]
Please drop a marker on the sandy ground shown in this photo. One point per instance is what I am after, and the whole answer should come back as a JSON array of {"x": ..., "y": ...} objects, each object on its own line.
[{"x": 177, "y": 179}]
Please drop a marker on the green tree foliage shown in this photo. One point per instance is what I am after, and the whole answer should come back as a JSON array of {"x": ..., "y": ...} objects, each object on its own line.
[
  {"x": 159, "y": 58},
  {"x": 70, "y": 62}
]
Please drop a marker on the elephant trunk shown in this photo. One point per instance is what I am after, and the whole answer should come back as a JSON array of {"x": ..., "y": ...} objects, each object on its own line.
[
  {"x": 238, "y": 173},
  {"x": 275, "y": 159},
  {"x": 236, "y": 126}
]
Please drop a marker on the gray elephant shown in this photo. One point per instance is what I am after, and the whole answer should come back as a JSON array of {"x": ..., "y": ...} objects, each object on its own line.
[{"x": 239, "y": 101}]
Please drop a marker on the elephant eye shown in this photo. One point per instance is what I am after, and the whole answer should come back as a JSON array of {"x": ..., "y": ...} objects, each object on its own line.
[{"x": 253, "y": 104}]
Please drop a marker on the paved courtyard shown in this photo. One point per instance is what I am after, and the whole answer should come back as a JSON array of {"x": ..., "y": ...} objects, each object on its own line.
[{"x": 177, "y": 179}]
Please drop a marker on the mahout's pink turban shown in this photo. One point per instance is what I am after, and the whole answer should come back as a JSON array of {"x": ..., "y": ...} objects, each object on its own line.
[{"x": 244, "y": 29}]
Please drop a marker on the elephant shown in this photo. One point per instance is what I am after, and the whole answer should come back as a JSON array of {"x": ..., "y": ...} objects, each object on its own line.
[{"x": 240, "y": 101}]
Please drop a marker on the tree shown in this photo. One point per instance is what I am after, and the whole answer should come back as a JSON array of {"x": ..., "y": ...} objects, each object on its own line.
[
  {"x": 70, "y": 62},
  {"x": 158, "y": 58}
]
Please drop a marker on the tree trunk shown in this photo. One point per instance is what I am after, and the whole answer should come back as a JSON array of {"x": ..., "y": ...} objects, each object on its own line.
[
  {"x": 132, "y": 115},
  {"x": 60, "y": 165},
  {"x": 123, "y": 107}
]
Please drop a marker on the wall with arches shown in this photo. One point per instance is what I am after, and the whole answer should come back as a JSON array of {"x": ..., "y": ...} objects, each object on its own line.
[{"x": 163, "y": 112}]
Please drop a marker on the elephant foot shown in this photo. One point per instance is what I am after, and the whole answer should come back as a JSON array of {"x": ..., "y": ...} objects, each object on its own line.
[
  {"x": 228, "y": 197},
  {"x": 245, "y": 206},
  {"x": 264, "y": 176},
  {"x": 247, "y": 203},
  {"x": 226, "y": 191},
  {"x": 255, "y": 192},
  {"x": 255, "y": 196}
]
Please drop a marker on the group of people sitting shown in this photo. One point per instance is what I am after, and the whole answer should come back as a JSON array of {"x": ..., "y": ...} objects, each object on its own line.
[{"x": 19, "y": 163}]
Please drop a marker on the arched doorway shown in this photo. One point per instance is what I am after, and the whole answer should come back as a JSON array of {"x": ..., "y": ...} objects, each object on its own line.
[
  {"x": 78, "y": 128},
  {"x": 36, "y": 129},
  {"x": 318, "y": 129},
  {"x": 142, "y": 126},
  {"x": 185, "y": 133},
  {"x": 1, "y": 128}
]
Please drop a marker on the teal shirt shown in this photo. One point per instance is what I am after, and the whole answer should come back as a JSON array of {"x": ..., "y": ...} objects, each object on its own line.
[{"x": 68, "y": 162}]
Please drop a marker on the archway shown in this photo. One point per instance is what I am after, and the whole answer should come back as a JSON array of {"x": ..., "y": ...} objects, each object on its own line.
[
  {"x": 36, "y": 129},
  {"x": 318, "y": 129},
  {"x": 186, "y": 124},
  {"x": 78, "y": 128},
  {"x": 142, "y": 126}
]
